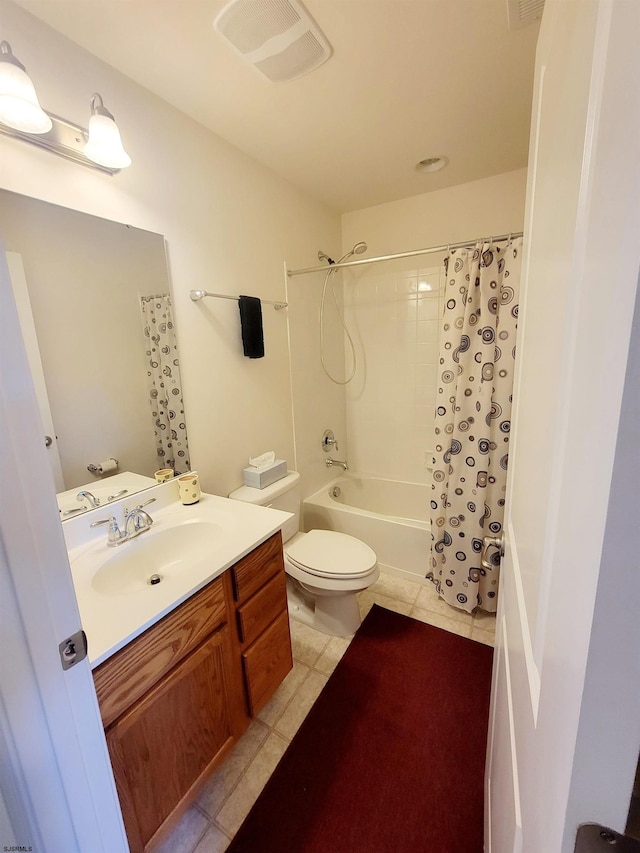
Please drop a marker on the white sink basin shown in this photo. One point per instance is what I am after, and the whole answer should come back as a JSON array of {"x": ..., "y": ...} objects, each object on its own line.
[
  {"x": 166, "y": 553},
  {"x": 187, "y": 546}
]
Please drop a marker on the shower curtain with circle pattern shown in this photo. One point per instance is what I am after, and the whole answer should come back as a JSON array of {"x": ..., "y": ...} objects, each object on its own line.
[
  {"x": 164, "y": 383},
  {"x": 473, "y": 419}
]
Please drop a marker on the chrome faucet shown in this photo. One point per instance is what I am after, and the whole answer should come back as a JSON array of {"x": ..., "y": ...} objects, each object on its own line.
[
  {"x": 329, "y": 462},
  {"x": 135, "y": 521},
  {"x": 93, "y": 500}
]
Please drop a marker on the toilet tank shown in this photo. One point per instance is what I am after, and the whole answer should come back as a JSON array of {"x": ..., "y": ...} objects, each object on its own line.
[{"x": 284, "y": 494}]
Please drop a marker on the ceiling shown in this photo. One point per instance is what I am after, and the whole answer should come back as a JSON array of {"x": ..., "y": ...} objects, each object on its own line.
[{"x": 408, "y": 80}]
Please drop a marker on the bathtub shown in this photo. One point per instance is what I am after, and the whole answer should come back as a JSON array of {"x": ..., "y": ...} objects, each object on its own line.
[{"x": 390, "y": 516}]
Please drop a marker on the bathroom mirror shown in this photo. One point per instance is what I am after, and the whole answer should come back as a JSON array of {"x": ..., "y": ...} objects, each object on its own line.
[{"x": 101, "y": 350}]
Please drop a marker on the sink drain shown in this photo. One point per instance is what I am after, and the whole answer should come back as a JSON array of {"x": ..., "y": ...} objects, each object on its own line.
[
  {"x": 154, "y": 579},
  {"x": 335, "y": 492}
]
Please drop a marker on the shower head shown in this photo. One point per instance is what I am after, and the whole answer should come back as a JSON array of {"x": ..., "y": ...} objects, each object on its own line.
[{"x": 358, "y": 249}]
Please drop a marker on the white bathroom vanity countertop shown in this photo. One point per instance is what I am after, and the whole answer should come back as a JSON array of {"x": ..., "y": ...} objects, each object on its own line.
[{"x": 193, "y": 544}]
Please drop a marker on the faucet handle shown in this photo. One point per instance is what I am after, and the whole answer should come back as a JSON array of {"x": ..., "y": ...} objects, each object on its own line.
[
  {"x": 115, "y": 534},
  {"x": 127, "y": 512},
  {"x": 135, "y": 514},
  {"x": 329, "y": 440},
  {"x": 103, "y": 521}
]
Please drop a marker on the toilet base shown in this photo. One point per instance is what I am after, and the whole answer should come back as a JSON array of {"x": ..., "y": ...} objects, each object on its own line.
[{"x": 335, "y": 614}]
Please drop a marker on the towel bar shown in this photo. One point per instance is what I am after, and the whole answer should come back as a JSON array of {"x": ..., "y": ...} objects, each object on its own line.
[{"x": 196, "y": 295}]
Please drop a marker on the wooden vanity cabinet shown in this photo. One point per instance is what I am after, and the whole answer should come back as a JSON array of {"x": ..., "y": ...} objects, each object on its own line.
[
  {"x": 172, "y": 707},
  {"x": 176, "y": 699}
]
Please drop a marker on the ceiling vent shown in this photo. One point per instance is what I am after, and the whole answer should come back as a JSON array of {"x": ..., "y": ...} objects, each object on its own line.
[
  {"x": 523, "y": 12},
  {"x": 278, "y": 37}
]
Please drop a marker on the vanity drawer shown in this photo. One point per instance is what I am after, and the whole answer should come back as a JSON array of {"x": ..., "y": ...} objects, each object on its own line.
[
  {"x": 262, "y": 608},
  {"x": 254, "y": 570},
  {"x": 129, "y": 673},
  {"x": 267, "y": 661}
]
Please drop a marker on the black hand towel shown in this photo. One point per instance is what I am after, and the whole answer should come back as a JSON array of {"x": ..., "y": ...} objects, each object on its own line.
[{"x": 251, "y": 325}]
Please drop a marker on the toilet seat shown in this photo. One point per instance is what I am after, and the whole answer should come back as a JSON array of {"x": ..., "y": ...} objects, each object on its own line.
[{"x": 328, "y": 554}]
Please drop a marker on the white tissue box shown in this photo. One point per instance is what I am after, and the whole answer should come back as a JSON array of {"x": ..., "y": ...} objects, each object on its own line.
[{"x": 260, "y": 478}]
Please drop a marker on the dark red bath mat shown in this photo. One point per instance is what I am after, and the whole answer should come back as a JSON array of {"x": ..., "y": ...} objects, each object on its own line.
[{"x": 391, "y": 757}]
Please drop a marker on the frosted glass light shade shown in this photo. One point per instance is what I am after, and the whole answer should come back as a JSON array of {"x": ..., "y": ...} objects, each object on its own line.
[
  {"x": 19, "y": 107},
  {"x": 105, "y": 145}
]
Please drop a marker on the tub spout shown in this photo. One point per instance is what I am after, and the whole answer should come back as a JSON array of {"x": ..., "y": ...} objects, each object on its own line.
[{"x": 329, "y": 462}]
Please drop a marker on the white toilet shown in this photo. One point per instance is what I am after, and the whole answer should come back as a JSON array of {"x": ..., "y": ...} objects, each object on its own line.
[{"x": 325, "y": 570}]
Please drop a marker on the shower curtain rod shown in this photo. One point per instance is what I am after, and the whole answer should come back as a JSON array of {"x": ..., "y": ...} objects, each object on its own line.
[
  {"x": 445, "y": 248},
  {"x": 155, "y": 296}
]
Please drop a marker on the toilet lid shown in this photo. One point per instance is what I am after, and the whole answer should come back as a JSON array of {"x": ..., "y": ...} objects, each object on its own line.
[{"x": 332, "y": 555}]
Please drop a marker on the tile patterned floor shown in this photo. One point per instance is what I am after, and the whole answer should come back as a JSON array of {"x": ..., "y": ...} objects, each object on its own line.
[{"x": 209, "y": 825}]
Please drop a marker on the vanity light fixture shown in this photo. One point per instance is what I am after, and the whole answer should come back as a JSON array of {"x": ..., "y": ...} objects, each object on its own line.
[{"x": 22, "y": 117}]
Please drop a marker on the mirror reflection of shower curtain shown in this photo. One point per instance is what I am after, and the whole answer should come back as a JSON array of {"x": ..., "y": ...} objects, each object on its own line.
[
  {"x": 473, "y": 419},
  {"x": 165, "y": 386}
]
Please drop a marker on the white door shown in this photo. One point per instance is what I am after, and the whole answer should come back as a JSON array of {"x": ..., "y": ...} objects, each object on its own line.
[
  {"x": 30, "y": 338},
  {"x": 549, "y": 766},
  {"x": 55, "y": 775}
]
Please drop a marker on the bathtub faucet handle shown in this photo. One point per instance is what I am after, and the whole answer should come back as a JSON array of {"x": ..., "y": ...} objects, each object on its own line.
[{"x": 329, "y": 441}]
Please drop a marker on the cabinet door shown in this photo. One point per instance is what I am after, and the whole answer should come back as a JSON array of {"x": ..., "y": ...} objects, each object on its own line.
[
  {"x": 168, "y": 740},
  {"x": 128, "y": 674}
]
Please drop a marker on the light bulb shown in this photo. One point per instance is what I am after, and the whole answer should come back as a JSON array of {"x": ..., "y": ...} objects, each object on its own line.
[
  {"x": 19, "y": 106},
  {"x": 105, "y": 145}
]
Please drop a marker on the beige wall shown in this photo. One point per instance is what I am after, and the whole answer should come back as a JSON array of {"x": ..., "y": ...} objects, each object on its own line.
[
  {"x": 229, "y": 225},
  {"x": 491, "y": 206},
  {"x": 392, "y": 311}
]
